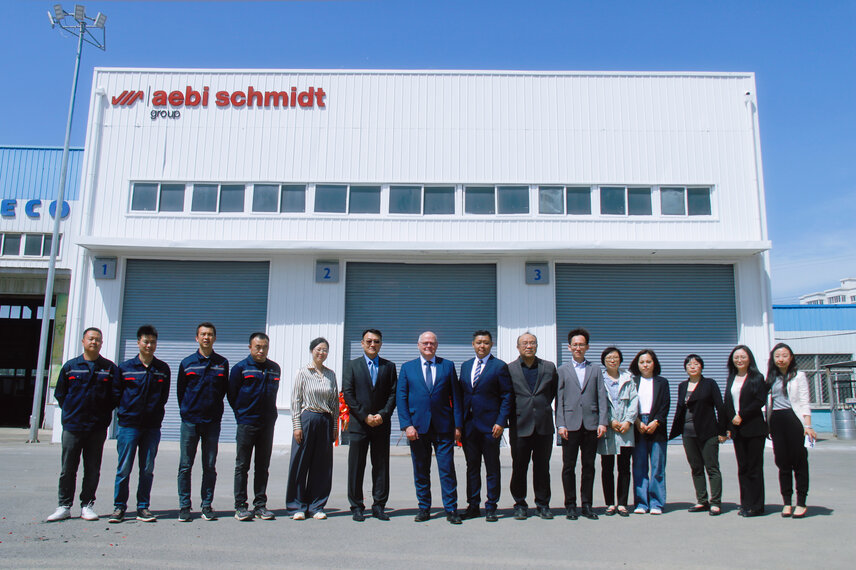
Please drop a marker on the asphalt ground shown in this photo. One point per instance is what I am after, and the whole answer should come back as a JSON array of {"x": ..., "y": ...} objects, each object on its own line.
[{"x": 676, "y": 539}]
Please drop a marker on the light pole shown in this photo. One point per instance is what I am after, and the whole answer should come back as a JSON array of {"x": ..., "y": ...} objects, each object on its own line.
[{"x": 79, "y": 24}]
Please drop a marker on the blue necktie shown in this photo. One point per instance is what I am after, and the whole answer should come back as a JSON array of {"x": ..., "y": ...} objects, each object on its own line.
[
  {"x": 373, "y": 372},
  {"x": 429, "y": 377},
  {"x": 477, "y": 373}
]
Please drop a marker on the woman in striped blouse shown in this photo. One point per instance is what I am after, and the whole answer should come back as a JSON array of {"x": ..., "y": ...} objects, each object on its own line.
[{"x": 315, "y": 415}]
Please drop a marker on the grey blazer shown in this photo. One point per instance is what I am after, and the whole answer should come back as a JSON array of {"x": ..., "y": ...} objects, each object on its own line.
[
  {"x": 586, "y": 407},
  {"x": 532, "y": 412}
]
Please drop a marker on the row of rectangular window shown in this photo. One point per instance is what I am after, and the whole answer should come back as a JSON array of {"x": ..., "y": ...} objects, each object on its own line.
[
  {"x": 35, "y": 245},
  {"x": 422, "y": 200}
]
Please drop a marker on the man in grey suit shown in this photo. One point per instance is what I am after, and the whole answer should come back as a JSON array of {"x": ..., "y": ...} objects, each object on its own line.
[
  {"x": 533, "y": 384},
  {"x": 581, "y": 415}
]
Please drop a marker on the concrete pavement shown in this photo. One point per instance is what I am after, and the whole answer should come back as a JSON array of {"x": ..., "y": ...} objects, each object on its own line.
[{"x": 28, "y": 487}]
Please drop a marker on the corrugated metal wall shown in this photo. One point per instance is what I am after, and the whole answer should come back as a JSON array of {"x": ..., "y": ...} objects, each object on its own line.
[
  {"x": 175, "y": 296},
  {"x": 33, "y": 172},
  {"x": 465, "y": 128},
  {"x": 673, "y": 310}
]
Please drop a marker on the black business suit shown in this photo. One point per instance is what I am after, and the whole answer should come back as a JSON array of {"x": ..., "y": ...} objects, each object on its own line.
[
  {"x": 702, "y": 448},
  {"x": 749, "y": 438},
  {"x": 531, "y": 430},
  {"x": 364, "y": 399}
]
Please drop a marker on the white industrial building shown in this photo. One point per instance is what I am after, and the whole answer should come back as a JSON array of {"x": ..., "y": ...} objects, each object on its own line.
[{"x": 319, "y": 203}]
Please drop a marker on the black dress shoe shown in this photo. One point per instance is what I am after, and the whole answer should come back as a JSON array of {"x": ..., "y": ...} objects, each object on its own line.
[
  {"x": 358, "y": 515},
  {"x": 490, "y": 516},
  {"x": 380, "y": 514},
  {"x": 588, "y": 513},
  {"x": 545, "y": 513},
  {"x": 422, "y": 516},
  {"x": 453, "y": 518},
  {"x": 471, "y": 513},
  {"x": 520, "y": 513},
  {"x": 699, "y": 508},
  {"x": 572, "y": 514}
]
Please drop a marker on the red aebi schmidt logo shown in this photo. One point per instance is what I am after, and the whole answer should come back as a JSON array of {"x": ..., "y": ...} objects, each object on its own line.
[
  {"x": 127, "y": 98},
  {"x": 167, "y": 104}
]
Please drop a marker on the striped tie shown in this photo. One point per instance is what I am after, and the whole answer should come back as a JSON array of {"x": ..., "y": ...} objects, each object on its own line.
[{"x": 478, "y": 372}]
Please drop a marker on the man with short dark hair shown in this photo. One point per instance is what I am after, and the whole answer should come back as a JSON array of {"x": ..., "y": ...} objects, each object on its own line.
[
  {"x": 253, "y": 385},
  {"x": 368, "y": 385},
  {"x": 203, "y": 378},
  {"x": 486, "y": 395},
  {"x": 533, "y": 382},
  {"x": 582, "y": 411},
  {"x": 141, "y": 390},
  {"x": 84, "y": 391}
]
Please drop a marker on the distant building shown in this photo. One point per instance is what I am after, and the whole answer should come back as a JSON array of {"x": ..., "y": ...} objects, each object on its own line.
[
  {"x": 818, "y": 335},
  {"x": 844, "y": 295}
]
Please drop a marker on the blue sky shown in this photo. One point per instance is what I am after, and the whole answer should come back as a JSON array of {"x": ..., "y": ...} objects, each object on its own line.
[{"x": 802, "y": 53}]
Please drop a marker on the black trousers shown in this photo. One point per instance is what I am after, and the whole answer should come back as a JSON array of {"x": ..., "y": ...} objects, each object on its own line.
[
  {"x": 538, "y": 449},
  {"x": 750, "y": 471},
  {"x": 704, "y": 455},
  {"x": 790, "y": 454},
  {"x": 607, "y": 479},
  {"x": 582, "y": 442},
  {"x": 375, "y": 441},
  {"x": 310, "y": 471},
  {"x": 91, "y": 445},
  {"x": 249, "y": 439}
]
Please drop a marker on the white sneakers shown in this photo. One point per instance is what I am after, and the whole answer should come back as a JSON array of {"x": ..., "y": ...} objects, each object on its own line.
[
  {"x": 88, "y": 513},
  {"x": 60, "y": 514},
  {"x": 319, "y": 516},
  {"x": 299, "y": 516}
]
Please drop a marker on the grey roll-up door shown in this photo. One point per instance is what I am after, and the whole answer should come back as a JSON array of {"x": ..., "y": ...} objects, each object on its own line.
[
  {"x": 403, "y": 300},
  {"x": 673, "y": 309},
  {"x": 175, "y": 296}
]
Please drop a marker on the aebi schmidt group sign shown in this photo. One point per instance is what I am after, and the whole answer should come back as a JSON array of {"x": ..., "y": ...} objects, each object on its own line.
[{"x": 168, "y": 104}]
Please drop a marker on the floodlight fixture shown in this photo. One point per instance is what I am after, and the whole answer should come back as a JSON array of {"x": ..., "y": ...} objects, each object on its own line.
[
  {"x": 100, "y": 18},
  {"x": 79, "y": 13},
  {"x": 59, "y": 13}
]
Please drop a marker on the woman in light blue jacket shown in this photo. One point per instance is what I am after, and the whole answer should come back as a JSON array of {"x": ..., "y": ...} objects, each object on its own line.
[{"x": 619, "y": 438}]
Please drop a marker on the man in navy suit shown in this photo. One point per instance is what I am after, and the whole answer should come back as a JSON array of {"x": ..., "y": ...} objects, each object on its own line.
[
  {"x": 582, "y": 411},
  {"x": 486, "y": 391},
  {"x": 368, "y": 383},
  {"x": 429, "y": 413}
]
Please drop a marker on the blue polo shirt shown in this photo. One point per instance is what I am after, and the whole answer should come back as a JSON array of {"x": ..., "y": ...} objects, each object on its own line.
[
  {"x": 141, "y": 393},
  {"x": 84, "y": 391},
  {"x": 252, "y": 391},
  {"x": 201, "y": 386}
]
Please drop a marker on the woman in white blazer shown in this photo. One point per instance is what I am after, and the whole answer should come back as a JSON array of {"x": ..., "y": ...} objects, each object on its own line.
[{"x": 789, "y": 418}]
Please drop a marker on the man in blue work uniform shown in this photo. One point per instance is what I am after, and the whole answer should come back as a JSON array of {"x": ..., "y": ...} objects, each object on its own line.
[
  {"x": 141, "y": 390},
  {"x": 84, "y": 391},
  {"x": 253, "y": 384},
  {"x": 203, "y": 378}
]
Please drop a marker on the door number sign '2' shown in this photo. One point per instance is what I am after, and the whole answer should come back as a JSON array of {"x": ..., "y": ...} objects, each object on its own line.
[{"x": 326, "y": 271}]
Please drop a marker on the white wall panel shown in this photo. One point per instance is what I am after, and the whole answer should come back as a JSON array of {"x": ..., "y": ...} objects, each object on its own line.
[
  {"x": 300, "y": 310},
  {"x": 523, "y": 308}
]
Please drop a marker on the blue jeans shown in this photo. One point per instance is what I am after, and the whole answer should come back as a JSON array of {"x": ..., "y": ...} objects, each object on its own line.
[
  {"x": 128, "y": 441},
  {"x": 649, "y": 472},
  {"x": 189, "y": 442}
]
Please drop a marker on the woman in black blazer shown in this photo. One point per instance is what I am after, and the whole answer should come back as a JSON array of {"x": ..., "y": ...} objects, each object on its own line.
[
  {"x": 745, "y": 395},
  {"x": 700, "y": 418},
  {"x": 649, "y": 454}
]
